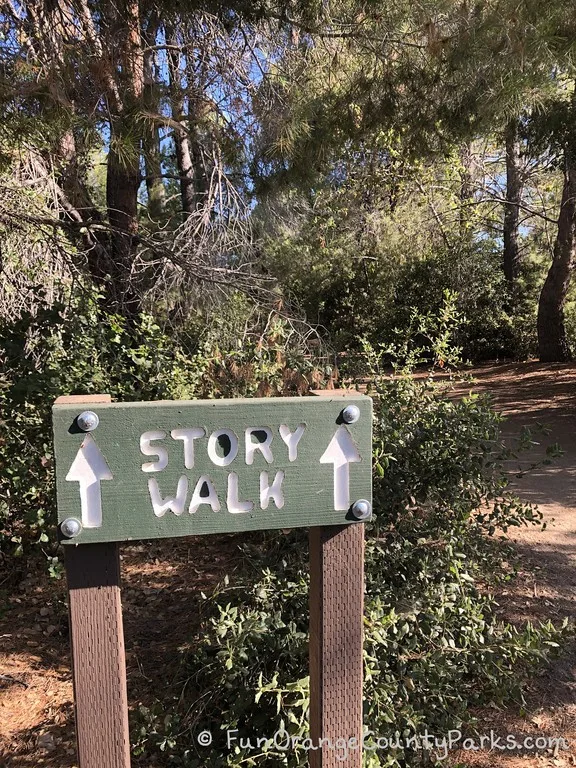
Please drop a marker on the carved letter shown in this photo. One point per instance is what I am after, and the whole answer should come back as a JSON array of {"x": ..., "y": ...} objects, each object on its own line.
[
  {"x": 175, "y": 504},
  {"x": 292, "y": 439},
  {"x": 198, "y": 497},
  {"x": 258, "y": 439},
  {"x": 232, "y": 501},
  {"x": 188, "y": 436},
  {"x": 273, "y": 491},
  {"x": 228, "y": 442},
  {"x": 151, "y": 450}
]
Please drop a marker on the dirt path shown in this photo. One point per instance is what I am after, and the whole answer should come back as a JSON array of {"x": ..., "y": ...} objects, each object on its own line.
[
  {"x": 531, "y": 395},
  {"x": 162, "y": 580}
]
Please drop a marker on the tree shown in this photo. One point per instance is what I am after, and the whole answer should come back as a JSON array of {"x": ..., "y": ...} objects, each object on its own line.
[
  {"x": 441, "y": 74},
  {"x": 553, "y": 344},
  {"x": 147, "y": 85},
  {"x": 151, "y": 139},
  {"x": 511, "y": 252}
]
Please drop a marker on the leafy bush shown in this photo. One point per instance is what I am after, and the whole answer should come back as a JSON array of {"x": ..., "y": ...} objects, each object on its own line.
[
  {"x": 80, "y": 349},
  {"x": 492, "y": 325},
  {"x": 354, "y": 290},
  {"x": 434, "y": 645}
]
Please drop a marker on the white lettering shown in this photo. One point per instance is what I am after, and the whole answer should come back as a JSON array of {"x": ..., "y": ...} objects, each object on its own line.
[
  {"x": 246, "y": 743},
  {"x": 308, "y": 745},
  {"x": 228, "y": 442},
  {"x": 283, "y": 746},
  {"x": 188, "y": 436},
  {"x": 453, "y": 738},
  {"x": 174, "y": 504},
  {"x": 368, "y": 745},
  {"x": 232, "y": 501},
  {"x": 152, "y": 450},
  {"x": 273, "y": 491},
  {"x": 442, "y": 748},
  {"x": 199, "y": 497},
  {"x": 292, "y": 439},
  {"x": 541, "y": 742},
  {"x": 263, "y": 438}
]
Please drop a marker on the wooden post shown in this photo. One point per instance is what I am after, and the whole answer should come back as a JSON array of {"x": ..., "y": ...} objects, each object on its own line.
[
  {"x": 336, "y": 570},
  {"x": 98, "y": 658},
  {"x": 336, "y": 634}
]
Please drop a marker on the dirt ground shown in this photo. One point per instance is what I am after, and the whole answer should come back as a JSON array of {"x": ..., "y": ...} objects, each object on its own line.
[
  {"x": 161, "y": 600},
  {"x": 534, "y": 396},
  {"x": 36, "y": 713}
]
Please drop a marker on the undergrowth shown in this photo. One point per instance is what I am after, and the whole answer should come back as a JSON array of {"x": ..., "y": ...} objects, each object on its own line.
[{"x": 434, "y": 646}]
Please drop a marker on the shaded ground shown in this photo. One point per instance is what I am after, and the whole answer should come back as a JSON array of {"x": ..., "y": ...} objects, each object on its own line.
[
  {"x": 161, "y": 590},
  {"x": 534, "y": 395},
  {"x": 162, "y": 582}
]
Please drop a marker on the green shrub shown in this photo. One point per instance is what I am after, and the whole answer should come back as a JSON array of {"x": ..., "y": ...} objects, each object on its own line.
[
  {"x": 355, "y": 291},
  {"x": 492, "y": 325},
  {"x": 434, "y": 645},
  {"x": 80, "y": 349},
  {"x": 59, "y": 351}
]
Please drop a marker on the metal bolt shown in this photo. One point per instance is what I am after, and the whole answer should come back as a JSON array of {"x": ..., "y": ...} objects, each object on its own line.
[
  {"x": 87, "y": 421},
  {"x": 350, "y": 414},
  {"x": 362, "y": 509},
  {"x": 71, "y": 527}
]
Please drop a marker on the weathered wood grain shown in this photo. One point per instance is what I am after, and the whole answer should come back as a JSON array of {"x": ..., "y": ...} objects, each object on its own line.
[
  {"x": 336, "y": 637},
  {"x": 99, "y": 664}
]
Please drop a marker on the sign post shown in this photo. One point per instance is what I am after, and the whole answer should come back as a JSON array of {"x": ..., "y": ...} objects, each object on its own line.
[
  {"x": 98, "y": 658},
  {"x": 133, "y": 471},
  {"x": 336, "y": 616},
  {"x": 336, "y": 620}
]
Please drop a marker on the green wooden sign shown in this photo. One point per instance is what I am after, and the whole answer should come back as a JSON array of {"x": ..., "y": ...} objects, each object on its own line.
[{"x": 152, "y": 470}]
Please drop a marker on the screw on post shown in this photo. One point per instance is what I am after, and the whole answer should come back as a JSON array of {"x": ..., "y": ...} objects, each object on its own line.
[
  {"x": 350, "y": 414},
  {"x": 361, "y": 509},
  {"x": 87, "y": 421},
  {"x": 71, "y": 527}
]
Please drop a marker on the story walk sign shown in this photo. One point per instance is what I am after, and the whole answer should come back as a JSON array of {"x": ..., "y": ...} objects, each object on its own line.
[
  {"x": 151, "y": 470},
  {"x": 133, "y": 471}
]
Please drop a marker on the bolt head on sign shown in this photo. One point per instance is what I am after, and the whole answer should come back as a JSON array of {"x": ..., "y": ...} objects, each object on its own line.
[
  {"x": 181, "y": 468},
  {"x": 350, "y": 414},
  {"x": 71, "y": 527},
  {"x": 87, "y": 421},
  {"x": 362, "y": 509}
]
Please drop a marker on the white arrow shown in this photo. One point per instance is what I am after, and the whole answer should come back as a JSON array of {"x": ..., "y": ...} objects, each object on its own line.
[
  {"x": 341, "y": 452},
  {"x": 89, "y": 468}
]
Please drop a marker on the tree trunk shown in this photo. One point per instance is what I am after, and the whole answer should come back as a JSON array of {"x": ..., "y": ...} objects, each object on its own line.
[
  {"x": 466, "y": 192},
  {"x": 201, "y": 172},
  {"x": 511, "y": 207},
  {"x": 151, "y": 138},
  {"x": 78, "y": 207},
  {"x": 123, "y": 171},
  {"x": 122, "y": 183},
  {"x": 552, "y": 341},
  {"x": 183, "y": 151}
]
